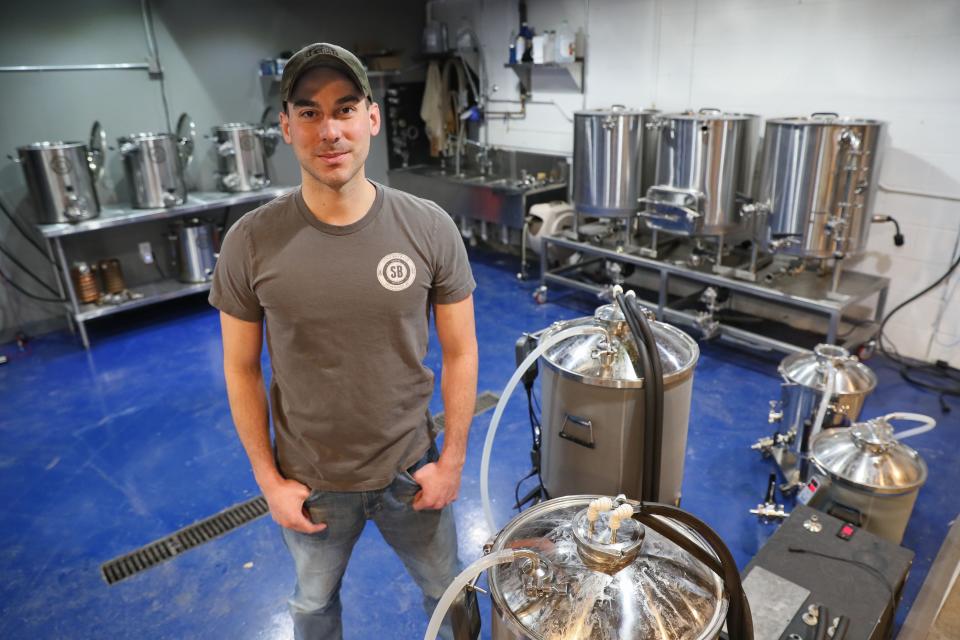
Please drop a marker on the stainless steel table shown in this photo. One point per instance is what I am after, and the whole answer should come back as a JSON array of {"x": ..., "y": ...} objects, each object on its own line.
[{"x": 805, "y": 291}]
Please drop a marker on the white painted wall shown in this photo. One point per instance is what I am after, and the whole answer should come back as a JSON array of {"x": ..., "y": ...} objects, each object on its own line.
[{"x": 888, "y": 59}]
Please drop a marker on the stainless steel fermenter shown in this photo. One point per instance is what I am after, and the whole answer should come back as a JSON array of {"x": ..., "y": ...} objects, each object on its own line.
[
  {"x": 593, "y": 409},
  {"x": 819, "y": 177},
  {"x": 242, "y": 151},
  {"x": 613, "y": 160},
  {"x": 154, "y": 166},
  {"x": 870, "y": 477},
  {"x": 829, "y": 370},
  {"x": 194, "y": 249},
  {"x": 62, "y": 176},
  {"x": 705, "y": 164}
]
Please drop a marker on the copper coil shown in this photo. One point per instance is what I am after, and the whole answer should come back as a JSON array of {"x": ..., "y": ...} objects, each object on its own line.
[
  {"x": 112, "y": 275},
  {"x": 85, "y": 282}
]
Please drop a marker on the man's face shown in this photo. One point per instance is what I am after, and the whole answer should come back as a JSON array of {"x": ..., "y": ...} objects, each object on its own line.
[{"x": 329, "y": 123}]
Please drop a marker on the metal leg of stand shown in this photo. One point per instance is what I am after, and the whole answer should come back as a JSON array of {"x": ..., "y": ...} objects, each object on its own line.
[
  {"x": 833, "y": 326},
  {"x": 545, "y": 247},
  {"x": 662, "y": 296},
  {"x": 837, "y": 271},
  {"x": 59, "y": 279},
  {"x": 881, "y": 303},
  {"x": 74, "y": 305}
]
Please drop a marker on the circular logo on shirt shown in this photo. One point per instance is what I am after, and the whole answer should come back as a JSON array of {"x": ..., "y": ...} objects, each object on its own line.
[{"x": 396, "y": 272}]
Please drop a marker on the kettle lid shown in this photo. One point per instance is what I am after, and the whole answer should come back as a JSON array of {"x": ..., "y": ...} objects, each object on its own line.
[
  {"x": 869, "y": 457},
  {"x": 662, "y": 593},
  {"x": 811, "y": 369}
]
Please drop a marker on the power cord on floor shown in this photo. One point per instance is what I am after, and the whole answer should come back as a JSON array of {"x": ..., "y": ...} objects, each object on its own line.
[{"x": 937, "y": 377}]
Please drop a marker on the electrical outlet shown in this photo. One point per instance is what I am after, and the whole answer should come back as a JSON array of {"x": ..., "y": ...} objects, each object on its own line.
[{"x": 146, "y": 253}]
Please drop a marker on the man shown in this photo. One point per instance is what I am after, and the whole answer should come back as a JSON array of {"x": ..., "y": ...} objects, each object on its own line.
[{"x": 344, "y": 273}]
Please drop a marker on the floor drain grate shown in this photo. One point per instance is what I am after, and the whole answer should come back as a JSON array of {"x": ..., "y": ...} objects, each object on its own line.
[
  {"x": 187, "y": 538},
  {"x": 485, "y": 401}
]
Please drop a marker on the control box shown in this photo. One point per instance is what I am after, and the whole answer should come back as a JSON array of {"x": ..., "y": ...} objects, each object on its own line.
[{"x": 815, "y": 559}]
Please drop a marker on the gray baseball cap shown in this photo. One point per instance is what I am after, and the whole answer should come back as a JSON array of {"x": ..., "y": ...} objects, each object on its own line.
[{"x": 322, "y": 54}]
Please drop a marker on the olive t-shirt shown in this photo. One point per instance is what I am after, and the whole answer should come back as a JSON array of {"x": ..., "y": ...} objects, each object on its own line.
[{"x": 347, "y": 311}]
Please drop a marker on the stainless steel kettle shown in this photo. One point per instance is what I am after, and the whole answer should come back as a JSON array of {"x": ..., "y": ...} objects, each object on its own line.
[{"x": 193, "y": 248}]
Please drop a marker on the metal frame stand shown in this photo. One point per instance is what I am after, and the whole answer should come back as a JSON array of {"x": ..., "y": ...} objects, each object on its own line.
[
  {"x": 801, "y": 291},
  {"x": 78, "y": 314}
]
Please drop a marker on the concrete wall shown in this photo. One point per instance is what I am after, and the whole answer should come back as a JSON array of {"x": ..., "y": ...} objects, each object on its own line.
[
  {"x": 887, "y": 59},
  {"x": 209, "y": 52}
]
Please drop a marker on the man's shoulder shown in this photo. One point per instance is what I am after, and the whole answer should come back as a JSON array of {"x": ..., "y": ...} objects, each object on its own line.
[
  {"x": 409, "y": 206},
  {"x": 268, "y": 214}
]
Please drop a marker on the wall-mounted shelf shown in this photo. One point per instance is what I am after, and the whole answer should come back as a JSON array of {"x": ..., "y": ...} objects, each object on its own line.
[{"x": 525, "y": 72}]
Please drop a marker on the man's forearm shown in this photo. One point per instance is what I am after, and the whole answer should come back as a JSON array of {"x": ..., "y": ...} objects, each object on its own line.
[
  {"x": 248, "y": 404},
  {"x": 458, "y": 386}
]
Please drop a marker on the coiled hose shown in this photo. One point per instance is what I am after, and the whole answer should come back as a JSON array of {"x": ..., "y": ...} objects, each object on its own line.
[{"x": 651, "y": 370}]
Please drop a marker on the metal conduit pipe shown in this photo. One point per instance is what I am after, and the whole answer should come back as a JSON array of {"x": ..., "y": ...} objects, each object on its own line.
[{"x": 920, "y": 194}]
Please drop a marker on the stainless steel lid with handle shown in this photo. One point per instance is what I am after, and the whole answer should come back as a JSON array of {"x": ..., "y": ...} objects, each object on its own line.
[
  {"x": 708, "y": 114},
  {"x": 867, "y": 456},
  {"x": 144, "y": 136},
  {"x": 591, "y": 360},
  {"x": 614, "y": 110},
  {"x": 826, "y": 118},
  {"x": 642, "y": 586},
  {"x": 812, "y": 370}
]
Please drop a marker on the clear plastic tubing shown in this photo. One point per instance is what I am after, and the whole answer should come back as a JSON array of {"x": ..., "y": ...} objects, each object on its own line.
[
  {"x": 928, "y": 423},
  {"x": 501, "y": 405},
  {"x": 461, "y": 581},
  {"x": 825, "y": 400}
]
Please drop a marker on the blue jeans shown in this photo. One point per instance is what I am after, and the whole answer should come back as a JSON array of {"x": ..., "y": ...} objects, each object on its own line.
[{"x": 426, "y": 542}]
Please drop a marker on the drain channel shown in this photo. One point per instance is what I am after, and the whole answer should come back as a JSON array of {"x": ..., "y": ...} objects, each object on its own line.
[
  {"x": 215, "y": 526},
  {"x": 187, "y": 538}
]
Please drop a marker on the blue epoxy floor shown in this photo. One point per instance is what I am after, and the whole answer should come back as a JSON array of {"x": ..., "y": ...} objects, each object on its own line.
[{"x": 106, "y": 450}]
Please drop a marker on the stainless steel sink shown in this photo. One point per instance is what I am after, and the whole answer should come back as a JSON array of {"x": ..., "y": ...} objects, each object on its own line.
[{"x": 498, "y": 196}]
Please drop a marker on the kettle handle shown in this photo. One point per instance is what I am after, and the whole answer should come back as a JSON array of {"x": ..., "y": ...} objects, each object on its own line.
[{"x": 927, "y": 423}]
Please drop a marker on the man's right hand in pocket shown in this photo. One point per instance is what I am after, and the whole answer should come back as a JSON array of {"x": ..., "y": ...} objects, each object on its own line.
[{"x": 285, "y": 498}]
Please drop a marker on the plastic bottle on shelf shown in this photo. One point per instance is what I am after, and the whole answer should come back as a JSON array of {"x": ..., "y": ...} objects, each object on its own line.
[
  {"x": 526, "y": 34},
  {"x": 520, "y": 49},
  {"x": 550, "y": 47},
  {"x": 512, "y": 57},
  {"x": 539, "y": 44},
  {"x": 566, "y": 43}
]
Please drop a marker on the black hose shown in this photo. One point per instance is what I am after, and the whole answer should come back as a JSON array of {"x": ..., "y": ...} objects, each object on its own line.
[
  {"x": 679, "y": 539},
  {"x": 23, "y": 231},
  {"x": 654, "y": 356},
  {"x": 909, "y": 367},
  {"x": 26, "y": 270},
  {"x": 23, "y": 291},
  {"x": 739, "y": 621},
  {"x": 841, "y": 631},
  {"x": 645, "y": 371},
  {"x": 823, "y": 622}
]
